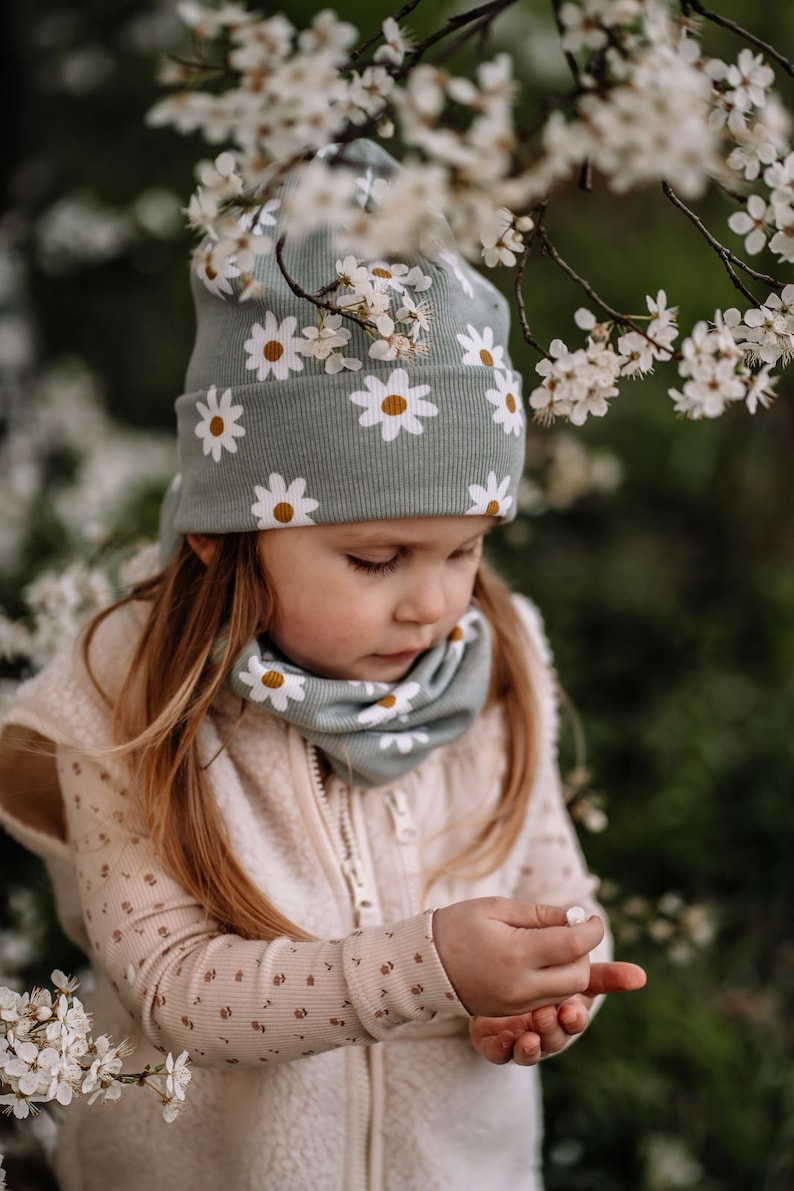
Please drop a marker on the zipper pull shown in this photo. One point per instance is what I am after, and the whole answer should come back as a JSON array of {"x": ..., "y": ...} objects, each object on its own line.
[
  {"x": 364, "y": 906},
  {"x": 405, "y": 828}
]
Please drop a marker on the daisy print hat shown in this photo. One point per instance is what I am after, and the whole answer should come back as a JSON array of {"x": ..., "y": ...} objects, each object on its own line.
[{"x": 293, "y": 415}]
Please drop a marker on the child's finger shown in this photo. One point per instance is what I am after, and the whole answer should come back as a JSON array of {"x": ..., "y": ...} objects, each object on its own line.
[
  {"x": 546, "y": 1023},
  {"x": 615, "y": 977},
  {"x": 528, "y": 1049},
  {"x": 496, "y": 1048}
]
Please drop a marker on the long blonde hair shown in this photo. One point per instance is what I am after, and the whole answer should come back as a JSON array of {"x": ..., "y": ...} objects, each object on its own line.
[{"x": 174, "y": 678}]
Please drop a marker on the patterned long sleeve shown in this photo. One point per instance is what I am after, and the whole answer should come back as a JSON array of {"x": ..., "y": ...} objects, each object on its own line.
[{"x": 223, "y": 998}]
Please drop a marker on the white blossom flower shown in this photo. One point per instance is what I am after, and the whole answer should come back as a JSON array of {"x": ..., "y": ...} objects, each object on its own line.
[
  {"x": 418, "y": 314},
  {"x": 323, "y": 341},
  {"x": 274, "y": 348},
  {"x": 282, "y": 504},
  {"x": 177, "y": 1074},
  {"x": 751, "y": 223},
  {"x": 394, "y": 404},
  {"x": 100, "y": 1080},
  {"x": 352, "y": 273},
  {"x": 750, "y": 79},
  {"x": 663, "y": 328},
  {"x": 318, "y": 188},
  {"x": 214, "y": 268},
  {"x": 760, "y": 389},
  {"x": 218, "y": 428},
  {"x": 368, "y": 93},
  {"x": 327, "y": 32},
  {"x": 638, "y": 352},
  {"x": 220, "y": 176},
  {"x": 396, "y": 43},
  {"x": 492, "y": 499}
]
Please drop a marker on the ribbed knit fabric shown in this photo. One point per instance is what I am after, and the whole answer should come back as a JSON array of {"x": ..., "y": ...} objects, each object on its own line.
[{"x": 267, "y": 437}]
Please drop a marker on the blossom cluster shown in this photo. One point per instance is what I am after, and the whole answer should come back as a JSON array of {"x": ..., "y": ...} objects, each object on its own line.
[
  {"x": 721, "y": 362},
  {"x": 679, "y": 927},
  {"x": 649, "y": 106},
  {"x": 47, "y": 1054}
]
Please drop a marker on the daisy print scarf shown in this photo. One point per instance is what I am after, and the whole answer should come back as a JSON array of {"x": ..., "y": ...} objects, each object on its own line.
[{"x": 373, "y": 732}]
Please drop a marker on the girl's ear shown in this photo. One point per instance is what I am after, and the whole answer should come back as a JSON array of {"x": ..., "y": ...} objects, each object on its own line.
[{"x": 203, "y": 545}]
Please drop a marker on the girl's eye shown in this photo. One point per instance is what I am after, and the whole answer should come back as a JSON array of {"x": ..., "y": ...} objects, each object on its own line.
[
  {"x": 372, "y": 568},
  {"x": 467, "y": 552}
]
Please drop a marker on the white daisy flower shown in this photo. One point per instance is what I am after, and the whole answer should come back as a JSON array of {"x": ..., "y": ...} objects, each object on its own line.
[
  {"x": 457, "y": 266},
  {"x": 270, "y": 684},
  {"x": 369, "y": 687},
  {"x": 387, "y": 275},
  {"x": 492, "y": 500},
  {"x": 280, "y": 505},
  {"x": 506, "y": 397},
  {"x": 218, "y": 426},
  {"x": 480, "y": 348},
  {"x": 466, "y": 630},
  {"x": 371, "y": 189},
  {"x": 274, "y": 348},
  {"x": 404, "y": 741},
  {"x": 393, "y": 404},
  {"x": 388, "y": 707}
]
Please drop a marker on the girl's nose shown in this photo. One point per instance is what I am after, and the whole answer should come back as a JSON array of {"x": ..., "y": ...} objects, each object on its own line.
[{"x": 424, "y": 602}]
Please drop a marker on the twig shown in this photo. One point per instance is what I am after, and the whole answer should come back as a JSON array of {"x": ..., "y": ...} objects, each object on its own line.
[
  {"x": 404, "y": 12},
  {"x": 485, "y": 12},
  {"x": 615, "y": 316},
  {"x": 571, "y": 59},
  {"x": 726, "y": 23},
  {"x": 518, "y": 287},
  {"x": 300, "y": 292},
  {"x": 728, "y": 258}
]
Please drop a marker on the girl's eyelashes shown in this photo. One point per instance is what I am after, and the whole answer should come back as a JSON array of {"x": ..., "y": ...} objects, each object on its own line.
[
  {"x": 389, "y": 565},
  {"x": 372, "y": 568}
]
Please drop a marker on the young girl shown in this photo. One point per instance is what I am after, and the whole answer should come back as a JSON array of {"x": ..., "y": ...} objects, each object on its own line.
[{"x": 298, "y": 790}]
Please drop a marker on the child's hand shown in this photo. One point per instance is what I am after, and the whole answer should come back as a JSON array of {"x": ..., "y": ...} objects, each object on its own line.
[
  {"x": 505, "y": 958},
  {"x": 530, "y": 1037}
]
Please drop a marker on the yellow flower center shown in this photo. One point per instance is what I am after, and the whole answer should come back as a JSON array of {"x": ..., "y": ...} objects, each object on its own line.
[
  {"x": 387, "y": 701},
  {"x": 211, "y": 273},
  {"x": 273, "y": 351},
  {"x": 394, "y": 405},
  {"x": 272, "y": 680},
  {"x": 492, "y": 508},
  {"x": 510, "y": 402},
  {"x": 486, "y": 357},
  {"x": 283, "y": 512},
  {"x": 456, "y": 634},
  {"x": 216, "y": 427},
  {"x": 381, "y": 272}
]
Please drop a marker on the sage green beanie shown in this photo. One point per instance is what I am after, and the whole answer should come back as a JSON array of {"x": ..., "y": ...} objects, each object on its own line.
[{"x": 288, "y": 420}]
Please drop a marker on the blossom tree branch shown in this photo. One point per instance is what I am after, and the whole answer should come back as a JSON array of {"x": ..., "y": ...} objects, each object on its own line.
[
  {"x": 745, "y": 34},
  {"x": 648, "y": 107},
  {"x": 728, "y": 258}
]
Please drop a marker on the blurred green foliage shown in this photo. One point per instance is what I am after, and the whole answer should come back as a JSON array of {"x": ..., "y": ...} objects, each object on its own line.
[{"x": 669, "y": 604}]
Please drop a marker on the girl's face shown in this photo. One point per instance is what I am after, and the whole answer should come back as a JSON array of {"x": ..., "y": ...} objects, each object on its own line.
[{"x": 362, "y": 601}]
